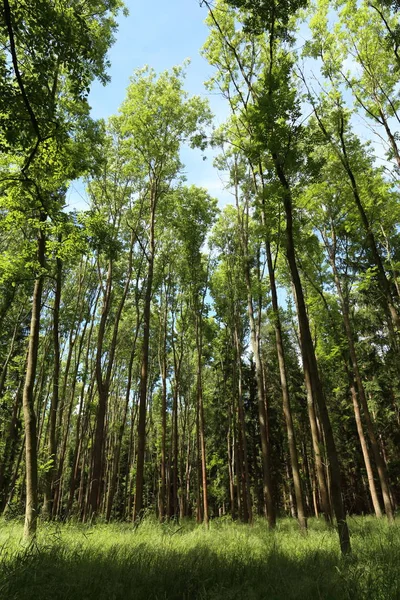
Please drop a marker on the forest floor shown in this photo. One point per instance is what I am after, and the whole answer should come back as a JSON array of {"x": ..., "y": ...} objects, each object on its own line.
[{"x": 184, "y": 562}]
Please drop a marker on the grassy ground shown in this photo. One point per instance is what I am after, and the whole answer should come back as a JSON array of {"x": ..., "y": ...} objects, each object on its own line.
[{"x": 231, "y": 561}]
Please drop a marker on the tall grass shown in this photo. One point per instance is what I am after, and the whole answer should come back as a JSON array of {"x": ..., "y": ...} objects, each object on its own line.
[{"x": 185, "y": 562}]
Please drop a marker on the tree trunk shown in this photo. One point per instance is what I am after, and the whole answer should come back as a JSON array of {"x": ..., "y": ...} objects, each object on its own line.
[
  {"x": 230, "y": 468},
  {"x": 248, "y": 510},
  {"x": 144, "y": 370},
  {"x": 14, "y": 478},
  {"x": 31, "y": 510},
  {"x": 262, "y": 416},
  {"x": 287, "y": 411},
  {"x": 78, "y": 441},
  {"x": 365, "y": 451},
  {"x": 199, "y": 345},
  {"x": 311, "y": 368},
  {"x": 62, "y": 399},
  {"x": 175, "y": 432},
  {"x": 117, "y": 453},
  {"x": 103, "y": 390},
  {"x": 163, "y": 371},
  {"x": 255, "y": 346},
  {"x": 382, "y": 472},
  {"x": 11, "y": 445},
  {"x": 51, "y": 473},
  {"x": 199, "y": 507}
]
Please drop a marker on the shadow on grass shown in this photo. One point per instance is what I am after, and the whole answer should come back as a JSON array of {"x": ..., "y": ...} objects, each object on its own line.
[{"x": 143, "y": 573}]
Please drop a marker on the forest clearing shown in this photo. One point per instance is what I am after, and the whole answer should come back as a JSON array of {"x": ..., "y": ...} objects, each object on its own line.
[
  {"x": 199, "y": 299},
  {"x": 185, "y": 562}
]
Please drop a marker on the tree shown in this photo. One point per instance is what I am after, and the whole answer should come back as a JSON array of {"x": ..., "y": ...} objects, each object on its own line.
[
  {"x": 45, "y": 108},
  {"x": 158, "y": 116}
]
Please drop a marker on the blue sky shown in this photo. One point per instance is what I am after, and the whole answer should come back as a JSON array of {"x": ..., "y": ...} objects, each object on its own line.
[{"x": 161, "y": 35}]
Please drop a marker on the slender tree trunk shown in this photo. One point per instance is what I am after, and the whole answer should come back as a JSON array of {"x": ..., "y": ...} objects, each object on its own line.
[
  {"x": 199, "y": 345},
  {"x": 103, "y": 391},
  {"x": 230, "y": 468},
  {"x": 78, "y": 314},
  {"x": 118, "y": 444},
  {"x": 62, "y": 399},
  {"x": 14, "y": 478},
  {"x": 267, "y": 482},
  {"x": 175, "y": 448},
  {"x": 182, "y": 453},
  {"x": 199, "y": 507},
  {"x": 4, "y": 369},
  {"x": 10, "y": 450},
  {"x": 31, "y": 511},
  {"x": 144, "y": 370},
  {"x": 288, "y": 484},
  {"x": 177, "y": 358},
  {"x": 287, "y": 411},
  {"x": 248, "y": 513},
  {"x": 163, "y": 370},
  {"x": 243, "y": 512},
  {"x": 188, "y": 470},
  {"x": 39, "y": 405},
  {"x": 365, "y": 451},
  {"x": 51, "y": 473},
  {"x": 382, "y": 472},
  {"x": 78, "y": 445},
  {"x": 311, "y": 368},
  {"x": 78, "y": 441},
  {"x": 131, "y": 457},
  {"x": 309, "y": 482},
  {"x": 317, "y": 449},
  {"x": 255, "y": 346}
]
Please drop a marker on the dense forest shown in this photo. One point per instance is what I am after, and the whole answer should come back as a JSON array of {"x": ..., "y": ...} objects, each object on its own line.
[{"x": 162, "y": 354}]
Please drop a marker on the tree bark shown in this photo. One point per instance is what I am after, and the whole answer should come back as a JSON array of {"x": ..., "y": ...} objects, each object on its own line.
[
  {"x": 248, "y": 510},
  {"x": 294, "y": 461},
  {"x": 365, "y": 451},
  {"x": 51, "y": 473},
  {"x": 11, "y": 445},
  {"x": 382, "y": 472},
  {"x": 201, "y": 422},
  {"x": 144, "y": 370},
  {"x": 310, "y": 365},
  {"x": 31, "y": 510},
  {"x": 103, "y": 390},
  {"x": 163, "y": 371}
]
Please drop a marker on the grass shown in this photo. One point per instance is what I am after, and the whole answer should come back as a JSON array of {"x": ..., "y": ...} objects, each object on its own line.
[{"x": 185, "y": 562}]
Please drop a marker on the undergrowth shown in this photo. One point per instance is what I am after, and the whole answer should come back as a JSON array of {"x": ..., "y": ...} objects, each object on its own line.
[{"x": 184, "y": 562}]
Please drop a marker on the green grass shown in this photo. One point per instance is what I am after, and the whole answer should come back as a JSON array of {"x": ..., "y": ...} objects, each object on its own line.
[{"x": 185, "y": 562}]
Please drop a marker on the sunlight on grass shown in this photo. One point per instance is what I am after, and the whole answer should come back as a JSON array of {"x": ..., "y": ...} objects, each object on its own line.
[{"x": 183, "y": 561}]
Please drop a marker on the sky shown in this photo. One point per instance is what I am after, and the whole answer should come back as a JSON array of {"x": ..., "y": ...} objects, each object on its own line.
[{"x": 160, "y": 35}]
